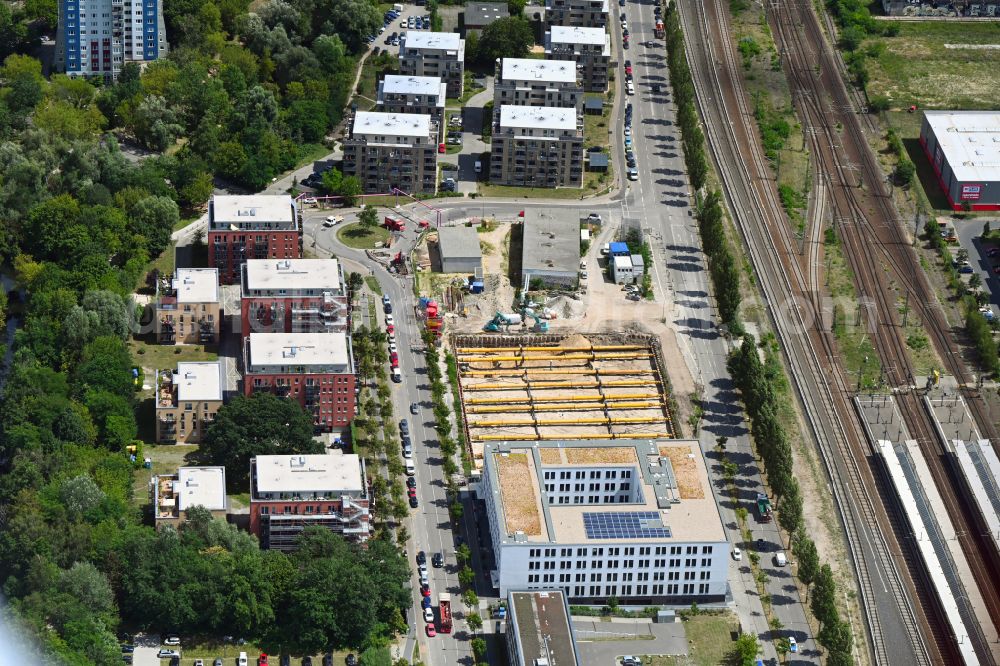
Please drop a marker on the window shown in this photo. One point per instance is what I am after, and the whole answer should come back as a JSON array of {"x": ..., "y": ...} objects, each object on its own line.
[
  {"x": 706, "y": 550},
  {"x": 706, "y": 561}
]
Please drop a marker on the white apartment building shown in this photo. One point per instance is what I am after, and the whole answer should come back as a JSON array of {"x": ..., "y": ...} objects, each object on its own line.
[
  {"x": 537, "y": 146},
  {"x": 392, "y": 150},
  {"x": 97, "y": 37},
  {"x": 440, "y": 54},
  {"x": 589, "y": 48},
  {"x": 413, "y": 94},
  {"x": 635, "y": 520},
  {"x": 533, "y": 82}
]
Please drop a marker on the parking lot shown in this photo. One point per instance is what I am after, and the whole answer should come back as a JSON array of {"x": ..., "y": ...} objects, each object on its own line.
[{"x": 968, "y": 233}]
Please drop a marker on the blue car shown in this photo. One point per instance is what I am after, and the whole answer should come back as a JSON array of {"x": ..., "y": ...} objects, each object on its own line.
[{"x": 425, "y": 602}]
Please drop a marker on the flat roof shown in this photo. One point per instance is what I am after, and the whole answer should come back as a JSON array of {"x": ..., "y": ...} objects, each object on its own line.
[
  {"x": 197, "y": 285},
  {"x": 421, "y": 39},
  {"x": 551, "y": 240},
  {"x": 533, "y": 69},
  {"x": 411, "y": 85},
  {"x": 298, "y": 349},
  {"x": 292, "y": 274},
  {"x": 537, "y": 117},
  {"x": 675, "y": 502},
  {"x": 541, "y": 620},
  {"x": 197, "y": 382},
  {"x": 378, "y": 123},
  {"x": 327, "y": 473},
  {"x": 572, "y": 34},
  {"x": 623, "y": 261},
  {"x": 593, "y": 103},
  {"x": 484, "y": 13},
  {"x": 228, "y": 208},
  {"x": 970, "y": 140},
  {"x": 598, "y": 159},
  {"x": 460, "y": 241},
  {"x": 201, "y": 486}
]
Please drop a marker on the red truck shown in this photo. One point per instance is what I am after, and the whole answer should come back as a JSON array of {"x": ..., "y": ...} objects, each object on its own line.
[
  {"x": 444, "y": 601},
  {"x": 392, "y": 224}
]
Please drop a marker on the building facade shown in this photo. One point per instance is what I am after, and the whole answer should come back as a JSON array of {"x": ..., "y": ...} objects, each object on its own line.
[
  {"x": 314, "y": 369},
  {"x": 537, "y": 147},
  {"x": 590, "y": 48},
  {"x": 963, "y": 147},
  {"x": 260, "y": 226},
  {"x": 392, "y": 150},
  {"x": 635, "y": 521},
  {"x": 423, "y": 95},
  {"x": 95, "y": 38},
  {"x": 174, "y": 494},
  {"x": 187, "y": 401},
  {"x": 533, "y": 82},
  {"x": 436, "y": 54},
  {"x": 291, "y": 493},
  {"x": 293, "y": 296},
  {"x": 187, "y": 307},
  {"x": 583, "y": 13}
]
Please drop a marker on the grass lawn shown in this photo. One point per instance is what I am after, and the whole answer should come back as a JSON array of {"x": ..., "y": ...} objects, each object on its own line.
[
  {"x": 709, "y": 640},
  {"x": 163, "y": 263},
  {"x": 166, "y": 459},
  {"x": 373, "y": 284},
  {"x": 596, "y": 133},
  {"x": 184, "y": 221},
  {"x": 373, "y": 70},
  {"x": 363, "y": 238},
  {"x": 915, "y": 67},
  {"x": 469, "y": 89},
  {"x": 208, "y": 649},
  {"x": 151, "y": 355},
  {"x": 511, "y": 191},
  {"x": 310, "y": 152}
]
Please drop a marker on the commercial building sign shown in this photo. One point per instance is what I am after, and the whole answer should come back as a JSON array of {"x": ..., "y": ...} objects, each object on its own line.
[{"x": 971, "y": 192}]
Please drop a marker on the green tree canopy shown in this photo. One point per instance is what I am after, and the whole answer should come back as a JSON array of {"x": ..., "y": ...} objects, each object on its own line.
[{"x": 509, "y": 37}]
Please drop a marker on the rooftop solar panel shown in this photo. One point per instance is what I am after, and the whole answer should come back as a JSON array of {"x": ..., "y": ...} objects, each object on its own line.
[{"x": 625, "y": 525}]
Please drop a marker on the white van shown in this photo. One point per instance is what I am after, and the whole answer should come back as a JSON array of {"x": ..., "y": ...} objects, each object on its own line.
[
  {"x": 410, "y": 468},
  {"x": 396, "y": 375},
  {"x": 242, "y": 660},
  {"x": 780, "y": 559}
]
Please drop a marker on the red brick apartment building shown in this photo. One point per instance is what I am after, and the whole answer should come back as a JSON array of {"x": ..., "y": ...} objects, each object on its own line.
[
  {"x": 314, "y": 369},
  {"x": 290, "y": 493},
  {"x": 251, "y": 227},
  {"x": 293, "y": 296}
]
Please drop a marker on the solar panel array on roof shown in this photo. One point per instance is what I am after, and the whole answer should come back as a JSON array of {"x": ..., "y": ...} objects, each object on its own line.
[{"x": 625, "y": 525}]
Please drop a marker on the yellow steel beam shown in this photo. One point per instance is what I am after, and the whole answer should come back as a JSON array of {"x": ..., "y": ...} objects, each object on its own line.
[
  {"x": 534, "y": 438},
  {"x": 508, "y": 372},
  {"x": 604, "y": 420},
  {"x": 562, "y": 384},
  {"x": 487, "y": 350},
  {"x": 557, "y": 357},
  {"x": 570, "y": 398},
  {"x": 562, "y": 407}
]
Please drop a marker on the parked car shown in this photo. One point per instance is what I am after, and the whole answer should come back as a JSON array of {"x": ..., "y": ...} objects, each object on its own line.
[
  {"x": 411, "y": 482},
  {"x": 633, "y": 173},
  {"x": 199, "y": 662},
  {"x": 414, "y": 408},
  {"x": 172, "y": 640},
  {"x": 262, "y": 659},
  {"x": 413, "y": 502},
  {"x": 737, "y": 553},
  {"x": 454, "y": 140},
  {"x": 431, "y": 632},
  {"x": 437, "y": 560},
  {"x": 421, "y": 557},
  {"x": 793, "y": 645},
  {"x": 630, "y": 88},
  {"x": 628, "y": 66},
  {"x": 351, "y": 660},
  {"x": 404, "y": 426},
  {"x": 164, "y": 653},
  {"x": 429, "y": 615},
  {"x": 389, "y": 320},
  {"x": 425, "y": 602}
]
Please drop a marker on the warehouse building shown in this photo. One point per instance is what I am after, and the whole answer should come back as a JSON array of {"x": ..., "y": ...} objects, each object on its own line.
[
  {"x": 550, "y": 254},
  {"x": 964, "y": 149},
  {"x": 460, "y": 251},
  {"x": 632, "y": 520}
]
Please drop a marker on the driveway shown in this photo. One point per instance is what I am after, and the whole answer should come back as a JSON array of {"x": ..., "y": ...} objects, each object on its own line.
[{"x": 968, "y": 232}]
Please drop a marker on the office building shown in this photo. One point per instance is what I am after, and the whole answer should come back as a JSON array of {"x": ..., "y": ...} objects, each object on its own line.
[
  {"x": 963, "y": 147},
  {"x": 583, "y": 13},
  {"x": 423, "y": 95},
  {"x": 590, "y": 48},
  {"x": 437, "y": 54},
  {"x": 187, "y": 307},
  {"x": 539, "y": 630},
  {"x": 631, "y": 520},
  {"x": 95, "y": 38},
  {"x": 174, "y": 494},
  {"x": 291, "y": 493},
  {"x": 293, "y": 296},
  {"x": 314, "y": 369},
  {"x": 533, "y": 82},
  {"x": 387, "y": 151},
  {"x": 259, "y": 226},
  {"x": 187, "y": 401},
  {"x": 537, "y": 147}
]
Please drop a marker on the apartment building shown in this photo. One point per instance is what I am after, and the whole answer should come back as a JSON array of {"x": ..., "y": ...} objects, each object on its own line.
[
  {"x": 539, "y": 630},
  {"x": 174, "y": 494},
  {"x": 589, "y": 48},
  {"x": 635, "y": 520},
  {"x": 424, "y": 95},
  {"x": 533, "y": 82},
  {"x": 583, "y": 13},
  {"x": 291, "y": 493},
  {"x": 187, "y": 401},
  {"x": 187, "y": 310},
  {"x": 437, "y": 54},
  {"x": 95, "y": 38},
  {"x": 392, "y": 150},
  {"x": 314, "y": 369},
  {"x": 537, "y": 147},
  {"x": 293, "y": 296},
  {"x": 259, "y": 226}
]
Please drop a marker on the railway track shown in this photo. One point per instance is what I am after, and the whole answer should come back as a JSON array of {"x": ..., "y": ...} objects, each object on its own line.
[
  {"x": 873, "y": 222},
  {"x": 794, "y": 307}
]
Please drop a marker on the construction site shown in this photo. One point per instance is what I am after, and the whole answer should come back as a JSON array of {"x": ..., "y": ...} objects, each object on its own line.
[{"x": 533, "y": 387}]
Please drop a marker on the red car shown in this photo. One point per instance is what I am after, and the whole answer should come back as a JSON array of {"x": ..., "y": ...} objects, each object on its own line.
[
  {"x": 442, "y": 148},
  {"x": 393, "y": 358},
  {"x": 390, "y": 329},
  {"x": 412, "y": 492},
  {"x": 425, "y": 590},
  {"x": 431, "y": 632},
  {"x": 628, "y": 69},
  {"x": 262, "y": 660}
]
